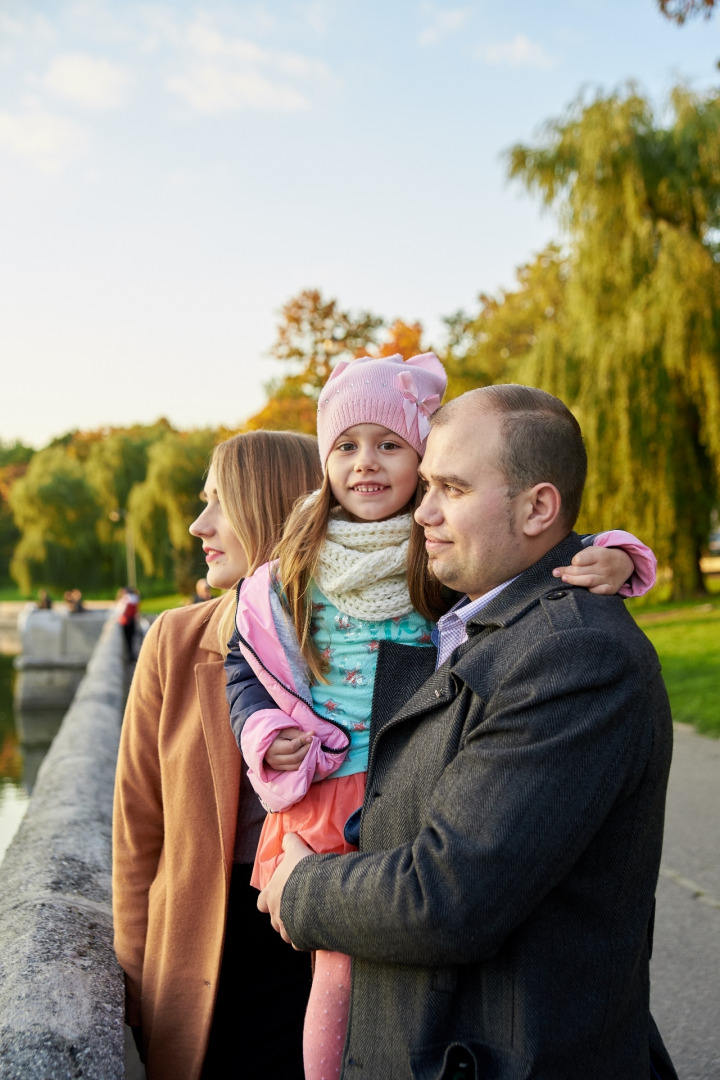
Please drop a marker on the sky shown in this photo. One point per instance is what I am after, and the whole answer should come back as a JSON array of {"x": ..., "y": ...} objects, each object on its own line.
[{"x": 172, "y": 174}]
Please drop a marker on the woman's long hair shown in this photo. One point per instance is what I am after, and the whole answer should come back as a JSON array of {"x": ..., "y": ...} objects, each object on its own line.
[
  {"x": 259, "y": 475},
  {"x": 299, "y": 550}
]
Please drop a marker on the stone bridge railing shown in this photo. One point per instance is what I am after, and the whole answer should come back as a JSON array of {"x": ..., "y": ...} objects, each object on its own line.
[{"x": 61, "y": 990}]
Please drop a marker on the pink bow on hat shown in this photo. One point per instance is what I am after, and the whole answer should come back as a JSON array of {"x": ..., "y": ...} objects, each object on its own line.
[{"x": 414, "y": 406}]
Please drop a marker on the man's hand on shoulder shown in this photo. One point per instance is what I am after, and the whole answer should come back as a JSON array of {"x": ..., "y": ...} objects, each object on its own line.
[{"x": 271, "y": 896}]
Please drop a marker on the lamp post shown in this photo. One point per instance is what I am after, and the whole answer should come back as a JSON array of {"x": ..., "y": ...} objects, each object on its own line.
[{"x": 117, "y": 515}]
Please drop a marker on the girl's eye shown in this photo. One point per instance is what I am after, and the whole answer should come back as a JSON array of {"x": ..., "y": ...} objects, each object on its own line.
[
  {"x": 389, "y": 445},
  {"x": 345, "y": 446}
]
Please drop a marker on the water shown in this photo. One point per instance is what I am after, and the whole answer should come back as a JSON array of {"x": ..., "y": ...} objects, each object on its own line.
[
  {"x": 13, "y": 804},
  {"x": 24, "y": 741},
  {"x": 13, "y": 793}
]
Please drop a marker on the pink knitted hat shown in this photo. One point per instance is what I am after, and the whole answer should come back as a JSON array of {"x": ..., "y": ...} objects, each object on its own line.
[{"x": 399, "y": 394}]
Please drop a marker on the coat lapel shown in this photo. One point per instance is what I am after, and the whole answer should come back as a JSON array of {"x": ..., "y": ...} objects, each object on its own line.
[
  {"x": 223, "y": 753},
  {"x": 421, "y": 690}
]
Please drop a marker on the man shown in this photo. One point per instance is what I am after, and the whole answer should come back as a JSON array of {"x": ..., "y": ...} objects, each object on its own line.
[{"x": 499, "y": 911}]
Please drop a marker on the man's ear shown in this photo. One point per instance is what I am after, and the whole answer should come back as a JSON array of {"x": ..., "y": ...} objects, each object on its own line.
[{"x": 542, "y": 505}]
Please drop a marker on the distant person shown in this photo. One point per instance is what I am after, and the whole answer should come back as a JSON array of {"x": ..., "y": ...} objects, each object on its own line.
[
  {"x": 44, "y": 601},
  {"x": 74, "y": 600},
  {"x": 499, "y": 912},
  {"x": 202, "y": 591},
  {"x": 211, "y": 990},
  {"x": 127, "y": 606}
]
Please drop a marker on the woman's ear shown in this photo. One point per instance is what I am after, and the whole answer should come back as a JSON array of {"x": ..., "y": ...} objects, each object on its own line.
[{"x": 542, "y": 505}]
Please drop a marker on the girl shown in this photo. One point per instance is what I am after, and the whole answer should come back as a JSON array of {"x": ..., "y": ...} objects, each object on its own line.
[
  {"x": 200, "y": 961},
  {"x": 351, "y": 574}
]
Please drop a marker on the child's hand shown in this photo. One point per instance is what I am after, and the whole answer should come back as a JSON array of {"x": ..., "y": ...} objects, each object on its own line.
[
  {"x": 287, "y": 751},
  {"x": 600, "y": 569}
]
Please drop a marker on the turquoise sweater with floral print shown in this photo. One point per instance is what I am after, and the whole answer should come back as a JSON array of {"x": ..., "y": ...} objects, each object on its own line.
[{"x": 350, "y": 646}]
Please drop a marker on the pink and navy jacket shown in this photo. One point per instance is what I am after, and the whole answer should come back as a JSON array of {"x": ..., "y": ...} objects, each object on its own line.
[
  {"x": 268, "y": 689},
  {"x": 268, "y": 685}
]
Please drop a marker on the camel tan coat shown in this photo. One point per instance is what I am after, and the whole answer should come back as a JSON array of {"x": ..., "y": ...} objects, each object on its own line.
[{"x": 176, "y": 805}]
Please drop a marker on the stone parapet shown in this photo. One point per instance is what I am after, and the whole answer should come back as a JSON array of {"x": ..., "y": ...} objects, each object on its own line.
[
  {"x": 61, "y": 990},
  {"x": 55, "y": 649}
]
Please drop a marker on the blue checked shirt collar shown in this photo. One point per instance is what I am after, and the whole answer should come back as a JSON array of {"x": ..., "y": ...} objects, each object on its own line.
[{"x": 451, "y": 629}]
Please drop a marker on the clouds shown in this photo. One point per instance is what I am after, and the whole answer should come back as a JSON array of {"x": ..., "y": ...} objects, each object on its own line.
[
  {"x": 90, "y": 82},
  {"x": 60, "y": 76},
  {"x": 216, "y": 88},
  {"x": 48, "y": 142},
  {"x": 518, "y": 52},
  {"x": 443, "y": 23},
  {"x": 226, "y": 73}
]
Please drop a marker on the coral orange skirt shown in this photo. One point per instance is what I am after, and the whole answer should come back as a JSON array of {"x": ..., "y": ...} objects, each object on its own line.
[{"x": 319, "y": 819}]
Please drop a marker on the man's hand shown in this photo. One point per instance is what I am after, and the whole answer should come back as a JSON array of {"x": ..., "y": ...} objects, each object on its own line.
[
  {"x": 286, "y": 752},
  {"x": 270, "y": 898}
]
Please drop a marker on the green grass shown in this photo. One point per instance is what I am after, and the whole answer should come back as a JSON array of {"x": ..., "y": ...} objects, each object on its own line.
[
  {"x": 150, "y": 603},
  {"x": 153, "y": 605},
  {"x": 687, "y": 640}
]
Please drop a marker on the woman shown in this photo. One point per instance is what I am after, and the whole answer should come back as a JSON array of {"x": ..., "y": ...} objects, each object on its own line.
[{"x": 186, "y": 822}]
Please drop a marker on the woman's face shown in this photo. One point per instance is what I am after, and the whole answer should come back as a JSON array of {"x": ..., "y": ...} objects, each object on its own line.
[{"x": 225, "y": 556}]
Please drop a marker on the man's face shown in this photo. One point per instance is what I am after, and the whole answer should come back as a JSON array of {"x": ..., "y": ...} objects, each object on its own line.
[{"x": 473, "y": 531}]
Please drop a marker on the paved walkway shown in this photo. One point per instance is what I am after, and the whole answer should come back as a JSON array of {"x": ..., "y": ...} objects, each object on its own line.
[{"x": 685, "y": 968}]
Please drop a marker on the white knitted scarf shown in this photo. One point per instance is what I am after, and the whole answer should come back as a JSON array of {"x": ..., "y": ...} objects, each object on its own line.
[{"x": 362, "y": 568}]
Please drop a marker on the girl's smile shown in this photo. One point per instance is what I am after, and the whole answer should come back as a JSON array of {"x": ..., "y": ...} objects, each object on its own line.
[{"x": 372, "y": 472}]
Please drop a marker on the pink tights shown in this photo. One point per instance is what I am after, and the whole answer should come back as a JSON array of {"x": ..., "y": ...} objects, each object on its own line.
[{"x": 326, "y": 1017}]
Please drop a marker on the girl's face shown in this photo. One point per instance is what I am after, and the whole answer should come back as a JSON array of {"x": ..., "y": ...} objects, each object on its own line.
[
  {"x": 372, "y": 472},
  {"x": 225, "y": 556}
]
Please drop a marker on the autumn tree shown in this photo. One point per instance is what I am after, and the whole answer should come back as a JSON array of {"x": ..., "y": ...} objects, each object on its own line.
[
  {"x": 14, "y": 460},
  {"x": 639, "y": 357},
  {"x": 288, "y": 408},
  {"x": 313, "y": 334},
  {"x": 680, "y": 10},
  {"x": 403, "y": 338}
]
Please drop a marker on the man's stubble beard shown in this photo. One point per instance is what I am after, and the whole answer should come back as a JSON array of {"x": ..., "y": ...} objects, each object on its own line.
[{"x": 432, "y": 573}]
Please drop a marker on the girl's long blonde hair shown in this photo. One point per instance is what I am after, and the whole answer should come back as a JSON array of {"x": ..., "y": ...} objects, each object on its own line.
[
  {"x": 298, "y": 552},
  {"x": 259, "y": 475}
]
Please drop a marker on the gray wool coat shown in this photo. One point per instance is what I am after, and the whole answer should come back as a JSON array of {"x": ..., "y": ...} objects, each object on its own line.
[{"x": 499, "y": 911}]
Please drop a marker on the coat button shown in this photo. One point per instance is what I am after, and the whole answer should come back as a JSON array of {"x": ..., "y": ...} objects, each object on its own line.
[{"x": 557, "y": 595}]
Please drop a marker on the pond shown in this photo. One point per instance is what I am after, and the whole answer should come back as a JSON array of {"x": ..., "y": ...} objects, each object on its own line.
[
  {"x": 24, "y": 741},
  {"x": 13, "y": 793}
]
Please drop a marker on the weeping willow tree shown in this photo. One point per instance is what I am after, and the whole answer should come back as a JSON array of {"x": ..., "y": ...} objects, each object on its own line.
[
  {"x": 638, "y": 360},
  {"x": 56, "y": 512},
  {"x": 496, "y": 344},
  {"x": 167, "y": 502}
]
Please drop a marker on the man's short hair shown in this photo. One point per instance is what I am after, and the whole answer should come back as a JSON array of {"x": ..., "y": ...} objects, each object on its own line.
[{"x": 541, "y": 440}]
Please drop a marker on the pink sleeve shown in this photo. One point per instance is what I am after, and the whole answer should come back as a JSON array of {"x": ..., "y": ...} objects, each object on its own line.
[
  {"x": 645, "y": 573},
  {"x": 279, "y": 791}
]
